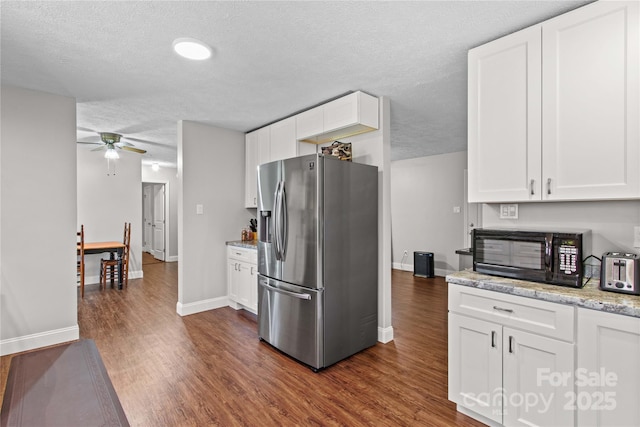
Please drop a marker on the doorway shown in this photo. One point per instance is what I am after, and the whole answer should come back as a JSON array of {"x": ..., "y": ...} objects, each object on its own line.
[{"x": 154, "y": 208}]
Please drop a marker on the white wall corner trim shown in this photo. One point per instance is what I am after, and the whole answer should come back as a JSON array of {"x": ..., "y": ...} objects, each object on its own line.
[
  {"x": 385, "y": 335},
  {"x": 200, "y": 306},
  {"x": 41, "y": 339}
]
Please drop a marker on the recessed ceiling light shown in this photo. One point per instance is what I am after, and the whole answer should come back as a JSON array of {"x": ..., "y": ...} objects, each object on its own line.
[{"x": 191, "y": 48}]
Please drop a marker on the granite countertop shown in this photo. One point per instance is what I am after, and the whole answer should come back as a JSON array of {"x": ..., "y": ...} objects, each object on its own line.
[
  {"x": 247, "y": 244},
  {"x": 590, "y": 296}
]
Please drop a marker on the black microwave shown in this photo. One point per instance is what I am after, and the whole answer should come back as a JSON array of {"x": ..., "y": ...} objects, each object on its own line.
[{"x": 554, "y": 257}]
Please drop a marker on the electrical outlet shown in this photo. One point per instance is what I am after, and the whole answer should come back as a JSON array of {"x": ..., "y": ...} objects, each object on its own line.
[
  {"x": 405, "y": 252},
  {"x": 636, "y": 236},
  {"x": 456, "y": 209},
  {"x": 509, "y": 211}
]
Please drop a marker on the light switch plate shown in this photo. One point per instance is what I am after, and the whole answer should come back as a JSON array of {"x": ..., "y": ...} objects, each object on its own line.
[
  {"x": 636, "y": 236},
  {"x": 508, "y": 211},
  {"x": 199, "y": 210}
]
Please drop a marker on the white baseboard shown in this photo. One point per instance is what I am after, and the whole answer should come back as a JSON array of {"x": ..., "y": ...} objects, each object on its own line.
[
  {"x": 409, "y": 267},
  {"x": 94, "y": 280},
  {"x": 403, "y": 267},
  {"x": 41, "y": 339},
  {"x": 200, "y": 306},
  {"x": 172, "y": 258},
  {"x": 385, "y": 335}
]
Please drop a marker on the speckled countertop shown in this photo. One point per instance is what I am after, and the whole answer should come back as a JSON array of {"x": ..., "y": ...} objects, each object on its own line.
[
  {"x": 249, "y": 244},
  {"x": 590, "y": 296}
]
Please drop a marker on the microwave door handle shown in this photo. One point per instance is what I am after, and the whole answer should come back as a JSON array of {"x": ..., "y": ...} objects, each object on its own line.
[{"x": 548, "y": 247}]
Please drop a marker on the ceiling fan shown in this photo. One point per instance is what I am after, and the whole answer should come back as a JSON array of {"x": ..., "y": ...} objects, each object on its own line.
[{"x": 111, "y": 141}]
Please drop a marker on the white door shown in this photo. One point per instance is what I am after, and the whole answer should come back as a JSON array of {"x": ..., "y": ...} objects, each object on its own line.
[
  {"x": 147, "y": 217},
  {"x": 591, "y": 93},
  {"x": 538, "y": 380},
  {"x": 158, "y": 221},
  {"x": 475, "y": 365}
]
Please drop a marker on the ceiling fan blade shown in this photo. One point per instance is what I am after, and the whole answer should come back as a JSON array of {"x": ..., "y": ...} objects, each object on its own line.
[
  {"x": 89, "y": 142},
  {"x": 104, "y": 147},
  {"x": 135, "y": 150}
]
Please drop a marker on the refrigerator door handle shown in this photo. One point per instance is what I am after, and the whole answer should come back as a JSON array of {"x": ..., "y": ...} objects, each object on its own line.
[
  {"x": 289, "y": 293},
  {"x": 276, "y": 227},
  {"x": 284, "y": 224}
]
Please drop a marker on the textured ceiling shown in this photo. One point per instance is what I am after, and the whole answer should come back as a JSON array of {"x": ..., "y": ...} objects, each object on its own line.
[{"x": 271, "y": 59}]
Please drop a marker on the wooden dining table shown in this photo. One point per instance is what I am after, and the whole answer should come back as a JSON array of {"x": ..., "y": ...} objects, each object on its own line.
[{"x": 114, "y": 248}]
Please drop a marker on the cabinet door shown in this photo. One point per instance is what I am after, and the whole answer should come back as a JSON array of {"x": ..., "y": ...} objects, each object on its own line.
[
  {"x": 475, "y": 365},
  {"x": 251, "y": 164},
  {"x": 264, "y": 145},
  {"x": 253, "y": 288},
  {"x": 538, "y": 380},
  {"x": 310, "y": 123},
  {"x": 591, "y": 92},
  {"x": 608, "y": 369},
  {"x": 244, "y": 284},
  {"x": 504, "y": 129},
  {"x": 233, "y": 279},
  {"x": 283, "y": 139}
]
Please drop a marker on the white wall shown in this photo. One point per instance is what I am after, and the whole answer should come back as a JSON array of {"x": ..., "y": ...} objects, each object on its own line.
[
  {"x": 106, "y": 202},
  {"x": 374, "y": 148},
  {"x": 611, "y": 222},
  {"x": 38, "y": 297},
  {"x": 424, "y": 192},
  {"x": 210, "y": 173},
  {"x": 168, "y": 176}
]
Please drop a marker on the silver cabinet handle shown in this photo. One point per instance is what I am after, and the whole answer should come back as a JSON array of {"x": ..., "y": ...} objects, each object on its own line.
[
  {"x": 531, "y": 185},
  {"x": 507, "y": 310},
  {"x": 289, "y": 293},
  {"x": 511, "y": 348},
  {"x": 493, "y": 339},
  {"x": 548, "y": 185}
]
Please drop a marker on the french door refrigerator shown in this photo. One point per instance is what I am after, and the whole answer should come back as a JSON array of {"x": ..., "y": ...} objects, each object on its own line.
[{"x": 318, "y": 257}]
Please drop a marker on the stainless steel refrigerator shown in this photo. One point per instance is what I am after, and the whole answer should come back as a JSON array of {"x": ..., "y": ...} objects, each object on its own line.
[{"x": 318, "y": 257}]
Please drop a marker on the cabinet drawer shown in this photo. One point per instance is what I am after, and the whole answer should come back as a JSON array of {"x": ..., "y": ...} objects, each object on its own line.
[
  {"x": 540, "y": 317},
  {"x": 241, "y": 254}
]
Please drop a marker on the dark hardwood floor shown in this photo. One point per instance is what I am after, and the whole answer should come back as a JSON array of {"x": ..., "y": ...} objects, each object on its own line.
[{"x": 211, "y": 369}]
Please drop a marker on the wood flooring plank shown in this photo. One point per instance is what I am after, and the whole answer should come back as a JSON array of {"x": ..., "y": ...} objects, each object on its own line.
[{"x": 210, "y": 368}]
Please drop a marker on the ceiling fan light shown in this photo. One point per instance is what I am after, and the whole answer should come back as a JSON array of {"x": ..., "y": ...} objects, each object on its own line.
[
  {"x": 111, "y": 154},
  {"x": 191, "y": 48}
]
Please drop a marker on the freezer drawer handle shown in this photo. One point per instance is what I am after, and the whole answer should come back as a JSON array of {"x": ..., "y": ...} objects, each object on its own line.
[{"x": 291, "y": 294}]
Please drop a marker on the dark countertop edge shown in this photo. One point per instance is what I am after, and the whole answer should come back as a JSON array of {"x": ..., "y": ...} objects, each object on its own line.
[
  {"x": 556, "y": 294},
  {"x": 252, "y": 244}
]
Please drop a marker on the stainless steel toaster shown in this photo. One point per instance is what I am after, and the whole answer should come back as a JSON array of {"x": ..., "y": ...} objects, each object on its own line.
[{"x": 620, "y": 272}]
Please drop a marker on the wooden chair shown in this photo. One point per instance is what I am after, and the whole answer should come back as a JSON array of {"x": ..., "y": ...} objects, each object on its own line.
[
  {"x": 80, "y": 259},
  {"x": 120, "y": 265}
]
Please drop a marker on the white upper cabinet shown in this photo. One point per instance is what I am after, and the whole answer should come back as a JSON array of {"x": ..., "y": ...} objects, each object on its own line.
[
  {"x": 251, "y": 165},
  {"x": 554, "y": 109},
  {"x": 504, "y": 118},
  {"x": 590, "y": 117},
  {"x": 346, "y": 116},
  {"x": 283, "y": 139}
]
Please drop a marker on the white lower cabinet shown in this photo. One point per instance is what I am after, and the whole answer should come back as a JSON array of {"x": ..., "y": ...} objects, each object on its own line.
[
  {"x": 505, "y": 375},
  {"x": 242, "y": 278},
  {"x": 608, "y": 369}
]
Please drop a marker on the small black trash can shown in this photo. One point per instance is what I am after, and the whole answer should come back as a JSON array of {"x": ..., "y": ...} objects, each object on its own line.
[{"x": 423, "y": 264}]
